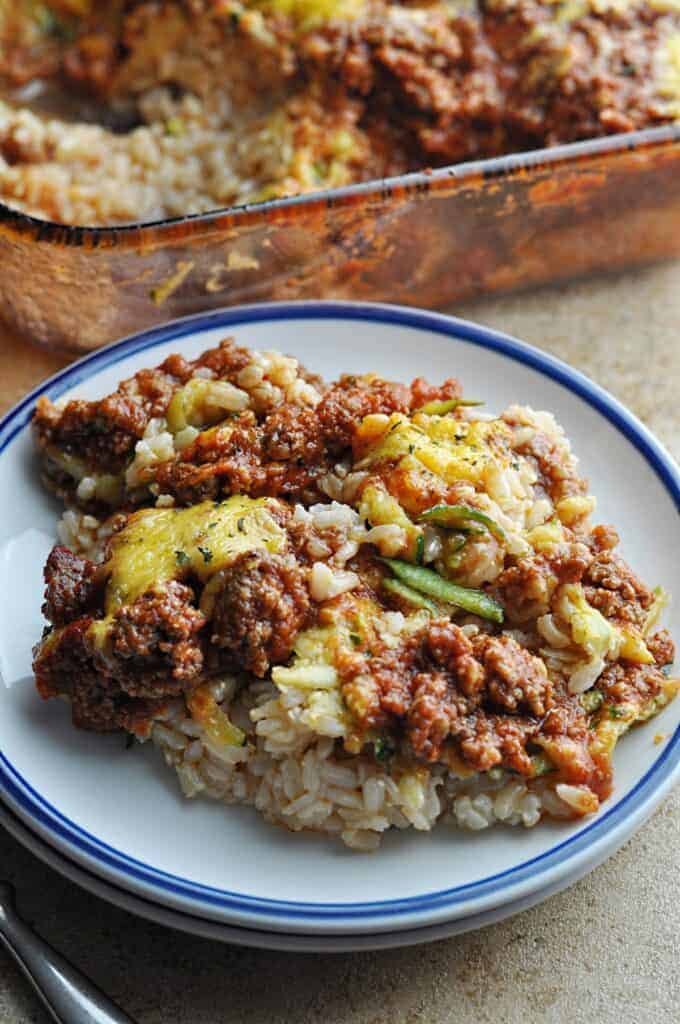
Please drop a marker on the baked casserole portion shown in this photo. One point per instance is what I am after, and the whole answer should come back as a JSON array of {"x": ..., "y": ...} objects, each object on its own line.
[
  {"x": 355, "y": 605},
  {"x": 344, "y": 91}
]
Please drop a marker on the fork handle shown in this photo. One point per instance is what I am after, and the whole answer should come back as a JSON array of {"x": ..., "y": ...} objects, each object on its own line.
[{"x": 66, "y": 993}]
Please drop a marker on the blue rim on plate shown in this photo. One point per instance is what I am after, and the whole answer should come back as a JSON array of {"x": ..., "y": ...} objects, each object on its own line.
[
  {"x": 257, "y": 938},
  {"x": 607, "y": 831}
]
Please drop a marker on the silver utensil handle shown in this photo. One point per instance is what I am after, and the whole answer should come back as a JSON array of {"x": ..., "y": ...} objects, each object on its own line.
[{"x": 66, "y": 993}]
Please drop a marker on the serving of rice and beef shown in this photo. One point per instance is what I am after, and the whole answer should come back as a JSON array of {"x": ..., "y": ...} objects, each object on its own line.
[
  {"x": 137, "y": 110},
  {"x": 355, "y": 606}
]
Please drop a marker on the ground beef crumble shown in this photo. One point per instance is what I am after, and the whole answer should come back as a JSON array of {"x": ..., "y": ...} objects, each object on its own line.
[
  {"x": 636, "y": 685},
  {"x": 661, "y": 647},
  {"x": 155, "y": 641},
  {"x": 72, "y": 586},
  {"x": 115, "y": 668},
  {"x": 526, "y": 588},
  {"x": 422, "y": 392},
  {"x": 98, "y": 703},
  {"x": 281, "y": 451},
  {"x": 346, "y": 403},
  {"x": 247, "y": 458},
  {"x": 613, "y": 588},
  {"x": 154, "y": 648},
  {"x": 261, "y": 606},
  {"x": 103, "y": 433},
  {"x": 557, "y": 472},
  {"x": 485, "y": 693},
  {"x": 514, "y": 677}
]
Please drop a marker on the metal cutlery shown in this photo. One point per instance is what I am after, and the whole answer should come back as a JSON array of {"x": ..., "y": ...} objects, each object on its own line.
[{"x": 66, "y": 993}]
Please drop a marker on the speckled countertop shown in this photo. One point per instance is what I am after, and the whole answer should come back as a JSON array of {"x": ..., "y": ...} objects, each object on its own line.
[{"x": 603, "y": 952}]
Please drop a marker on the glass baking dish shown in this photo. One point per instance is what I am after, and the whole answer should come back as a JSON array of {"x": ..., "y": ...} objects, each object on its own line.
[{"x": 427, "y": 239}]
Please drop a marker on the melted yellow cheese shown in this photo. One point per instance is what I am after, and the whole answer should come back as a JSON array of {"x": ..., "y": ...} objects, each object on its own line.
[
  {"x": 202, "y": 403},
  {"x": 312, "y": 12},
  {"x": 161, "y": 544},
  {"x": 668, "y": 75},
  {"x": 205, "y": 710},
  {"x": 451, "y": 449},
  {"x": 633, "y": 647},
  {"x": 546, "y": 536},
  {"x": 596, "y": 634}
]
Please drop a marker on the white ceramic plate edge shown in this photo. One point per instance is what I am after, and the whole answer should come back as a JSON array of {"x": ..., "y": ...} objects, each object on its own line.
[{"x": 270, "y": 940}]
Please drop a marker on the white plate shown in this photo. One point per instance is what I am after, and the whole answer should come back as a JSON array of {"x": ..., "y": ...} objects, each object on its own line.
[
  {"x": 255, "y": 938},
  {"x": 119, "y": 813}
]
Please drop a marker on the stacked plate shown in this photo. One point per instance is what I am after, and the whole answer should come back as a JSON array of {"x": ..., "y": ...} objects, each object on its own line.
[{"x": 112, "y": 819}]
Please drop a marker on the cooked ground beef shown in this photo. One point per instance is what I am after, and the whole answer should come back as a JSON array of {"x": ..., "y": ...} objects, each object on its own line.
[
  {"x": 662, "y": 648},
  {"x": 603, "y": 537},
  {"x": 429, "y": 84},
  {"x": 67, "y": 667},
  {"x": 514, "y": 677},
  {"x": 121, "y": 662},
  {"x": 72, "y": 587},
  {"x": 291, "y": 434},
  {"x": 102, "y": 434},
  {"x": 613, "y": 588},
  {"x": 526, "y": 589},
  {"x": 582, "y": 76},
  {"x": 261, "y": 606},
  {"x": 454, "y": 85},
  {"x": 636, "y": 685},
  {"x": 423, "y": 392},
  {"x": 36, "y": 40},
  {"x": 153, "y": 649},
  {"x": 156, "y": 645},
  {"x": 557, "y": 474},
  {"x": 249, "y": 458},
  {"x": 345, "y": 404},
  {"x": 488, "y": 740},
  {"x": 487, "y": 694},
  {"x": 280, "y": 450}
]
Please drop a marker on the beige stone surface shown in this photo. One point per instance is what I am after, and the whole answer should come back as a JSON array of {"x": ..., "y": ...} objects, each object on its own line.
[{"x": 603, "y": 952}]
